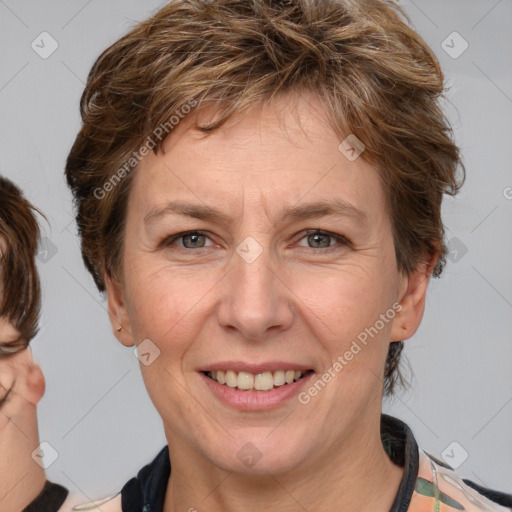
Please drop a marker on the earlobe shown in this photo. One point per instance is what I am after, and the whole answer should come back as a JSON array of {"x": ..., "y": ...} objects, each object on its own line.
[
  {"x": 117, "y": 312},
  {"x": 412, "y": 300}
]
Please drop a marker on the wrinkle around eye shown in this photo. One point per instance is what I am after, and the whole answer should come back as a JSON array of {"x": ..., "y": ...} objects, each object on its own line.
[
  {"x": 169, "y": 242},
  {"x": 340, "y": 239}
]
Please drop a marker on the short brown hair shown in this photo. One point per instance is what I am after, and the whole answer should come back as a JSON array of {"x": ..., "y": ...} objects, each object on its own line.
[
  {"x": 377, "y": 78},
  {"x": 20, "y": 294}
]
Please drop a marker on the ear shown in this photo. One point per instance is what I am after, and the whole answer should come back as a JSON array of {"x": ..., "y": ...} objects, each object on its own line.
[
  {"x": 118, "y": 312},
  {"x": 412, "y": 296}
]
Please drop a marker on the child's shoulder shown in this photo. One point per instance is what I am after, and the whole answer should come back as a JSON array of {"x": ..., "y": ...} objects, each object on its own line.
[{"x": 110, "y": 504}]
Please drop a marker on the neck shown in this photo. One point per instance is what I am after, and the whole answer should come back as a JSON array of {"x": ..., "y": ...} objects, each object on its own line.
[
  {"x": 22, "y": 478},
  {"x": 358, "y": 474}
]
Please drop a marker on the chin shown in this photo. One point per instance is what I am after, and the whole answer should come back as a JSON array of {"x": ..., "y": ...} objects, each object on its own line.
[{"x": 259, "y": 454}]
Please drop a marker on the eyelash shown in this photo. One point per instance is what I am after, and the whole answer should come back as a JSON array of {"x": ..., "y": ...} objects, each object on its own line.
[{"x": 343, "y": 241}]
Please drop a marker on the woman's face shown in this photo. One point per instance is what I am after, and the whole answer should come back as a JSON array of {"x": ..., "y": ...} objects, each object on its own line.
[{"x": 270, "y": 282}]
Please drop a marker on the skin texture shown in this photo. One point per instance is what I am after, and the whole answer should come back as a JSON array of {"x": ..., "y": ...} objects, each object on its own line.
[
  {"x": 296, "y": 303},
  {"x": 22, "y": 385}
]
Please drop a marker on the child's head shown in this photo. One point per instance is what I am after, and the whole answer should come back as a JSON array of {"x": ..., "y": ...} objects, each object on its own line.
[{"x": 19, "y": 282}]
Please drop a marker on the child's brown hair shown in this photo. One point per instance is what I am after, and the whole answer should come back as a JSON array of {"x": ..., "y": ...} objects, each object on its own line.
[{"x": 20, "y": 295}]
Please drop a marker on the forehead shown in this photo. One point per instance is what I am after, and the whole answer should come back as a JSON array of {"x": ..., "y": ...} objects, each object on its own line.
[{"x": 287, "y": 153}]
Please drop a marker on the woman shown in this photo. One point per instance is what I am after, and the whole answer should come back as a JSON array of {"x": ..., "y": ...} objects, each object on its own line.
[
  {"x": 23, "y": 484},
  {"x": 222, "y": 141}
]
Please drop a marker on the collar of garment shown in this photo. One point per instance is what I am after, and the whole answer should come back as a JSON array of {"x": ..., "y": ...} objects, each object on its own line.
[
  {"x": 428, "y": 484},
  {"x": 49, "y": 499}
]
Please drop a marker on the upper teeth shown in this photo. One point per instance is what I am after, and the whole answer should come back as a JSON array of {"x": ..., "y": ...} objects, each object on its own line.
[{"x": 260, "y": 382}]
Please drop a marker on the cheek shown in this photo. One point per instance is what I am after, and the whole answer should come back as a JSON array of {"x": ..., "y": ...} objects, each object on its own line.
[
  {"x": 164, "y": 305},
  {"x": 36, "y": 384},
  {"x": 346, "y": 299},
  {"x": 344, "y": 311}
]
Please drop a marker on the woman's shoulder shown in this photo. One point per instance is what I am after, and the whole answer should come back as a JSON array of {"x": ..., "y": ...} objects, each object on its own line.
[
  {"x": 437, "y": 483},
  {"x": 109, "y": 504}
]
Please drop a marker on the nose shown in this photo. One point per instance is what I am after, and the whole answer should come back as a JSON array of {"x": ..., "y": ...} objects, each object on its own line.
[{"x": 256, "y": 302}]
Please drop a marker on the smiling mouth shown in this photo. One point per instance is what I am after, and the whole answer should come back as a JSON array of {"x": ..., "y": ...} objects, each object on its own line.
[{"x": 265, "y": 381}]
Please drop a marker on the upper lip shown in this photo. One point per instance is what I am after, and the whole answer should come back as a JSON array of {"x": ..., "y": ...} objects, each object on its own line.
[{"x": 241, "y": 366}]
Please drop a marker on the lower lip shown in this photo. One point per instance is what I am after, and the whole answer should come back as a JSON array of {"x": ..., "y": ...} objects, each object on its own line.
[{"x": 255, "y": 400}]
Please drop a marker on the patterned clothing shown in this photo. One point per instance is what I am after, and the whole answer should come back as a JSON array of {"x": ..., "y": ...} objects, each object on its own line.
[{"x": 439, "y": 489}]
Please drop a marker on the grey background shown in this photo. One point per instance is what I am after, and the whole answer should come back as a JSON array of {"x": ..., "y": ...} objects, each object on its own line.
[{"x": 96, "y": 413}]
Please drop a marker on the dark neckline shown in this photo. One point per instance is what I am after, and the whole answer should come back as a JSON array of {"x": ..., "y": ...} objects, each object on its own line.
[
  {"x": 404, "y": 453},
  {"x": 147, "y": 490},
  {"x": 50, "y": 499}
]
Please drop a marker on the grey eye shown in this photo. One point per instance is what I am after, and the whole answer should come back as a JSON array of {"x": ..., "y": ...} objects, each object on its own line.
[
  {"x": 319, "y": 238},
  {"x": 195, "y": 240}
]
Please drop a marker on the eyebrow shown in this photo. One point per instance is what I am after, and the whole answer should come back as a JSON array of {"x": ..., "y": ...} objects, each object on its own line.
[{"x": 336, "y": 207}]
